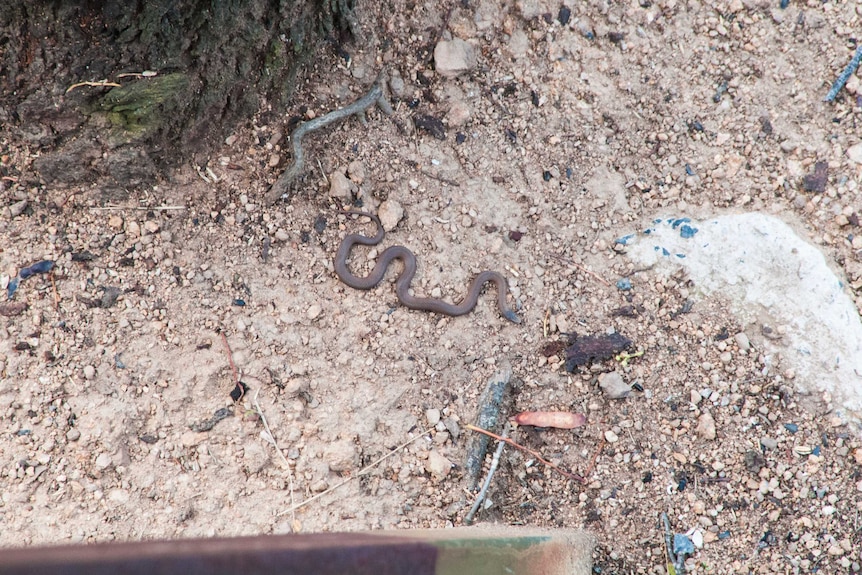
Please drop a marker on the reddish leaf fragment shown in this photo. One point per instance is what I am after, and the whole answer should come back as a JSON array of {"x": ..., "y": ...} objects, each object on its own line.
[
  {"x": 557, "y": 419},
  {"x": 12, "y": 308}
]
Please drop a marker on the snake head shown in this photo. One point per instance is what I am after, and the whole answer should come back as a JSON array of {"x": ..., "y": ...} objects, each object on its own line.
[{"x": 510, "y": 315}]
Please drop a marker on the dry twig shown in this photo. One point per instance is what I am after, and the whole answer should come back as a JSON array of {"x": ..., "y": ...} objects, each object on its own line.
[
  {"x": 359, "y": 473},
  {"x": 535, "y": 454}
]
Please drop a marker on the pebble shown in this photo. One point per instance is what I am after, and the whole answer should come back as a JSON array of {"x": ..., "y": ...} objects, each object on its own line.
[
  {"x": 151, "y": 226},
  {"x": 613, "y": 386},
  {"x": 742, "y": 341},
  {"x": 89, "y": 372},
  {"x": 437, "y": 465},
  {"x": 115, "y": 221},
  {"x": 706, "y": 426},
  {"x": 339, "y": 185},
  {"x": 103, "y": 461},
  {"x": 454, "y": 57},
  {"x": 390, "y": 213},
  {"x": 855, "y": 153},
  {"x": 432, "y": 416},
  {"x": 341, "y": 456},
  {"x": 768, "y": 443},
  {"x": 611, "y": 437},
  {"x": 73, "y": 434},
  {"x": 314, "y": 311}
]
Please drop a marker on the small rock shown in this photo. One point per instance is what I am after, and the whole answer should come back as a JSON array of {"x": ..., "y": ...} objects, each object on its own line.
[
  {"x": 314, "y": 311},
  {"x": 754, "y": 461},
  {"x": 706, "y": 426},
  {"x": 390, "y": 213},
  {"x": 356, "y": 170},
  {"x": 695, "y": 397},
  {"x": 454, "y": 57},
  {"x": 103, "y": 461},
  {"x": 742, "y": 341},
  {"x": 855, "y": 153},
  {"x": 73, "y": 434},
  {"x": 133, "y": 230},
  {"x": 339, "y": 185},
  {"x": 341, "y": 456},
  {"x": 613, "y": 386},
  {"x": 437, "y": 465},
  {"x": 433, "y": 416},
  {"x": 611, "y": 437},
  {"x": 115, "y": 221},
  {"x": 768, "y": 443},
  {"x": 89, "y": 372},
  {"x": 18, "y": 208},
  {"x": 151, "y": 226}
]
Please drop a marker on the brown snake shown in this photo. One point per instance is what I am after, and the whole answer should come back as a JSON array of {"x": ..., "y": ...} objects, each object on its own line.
[{"x": 402, "y": 284}]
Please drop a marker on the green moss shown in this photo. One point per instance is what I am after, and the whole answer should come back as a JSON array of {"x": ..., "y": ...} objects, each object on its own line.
[{"x": 137, "y": 110}]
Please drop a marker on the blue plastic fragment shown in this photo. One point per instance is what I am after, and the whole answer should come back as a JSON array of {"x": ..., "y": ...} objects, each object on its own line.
[
  {"x": 38, "y": 268},
  {"x": 689, "y": 171},
  {"x": 658, "y": 221},
  {"x": 624, "y": 284},
  {"x": 624, "y": 240},
  {"x": 118, "y": 361},
  {"x": 664, "y": 252},
  {"x": 791, "y": 427},
  {"x": 816, "y": 451},
  {"x": 682, "y": 545},
  {"x": 10, "y": 289},
  {"x": 686, "y": 231},
  {"x": 647, "y": 231},
  {"x": 239, "y": 302},
  {"x": 677, "y": 222},
  {"x": 724, "y": 535},
  {"x": 21, "y": 432},
  {"x": 680, "y": 256}
]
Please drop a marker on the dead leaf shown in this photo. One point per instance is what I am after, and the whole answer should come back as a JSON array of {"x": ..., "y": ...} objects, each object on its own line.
[{"x": 557, "y": 419}]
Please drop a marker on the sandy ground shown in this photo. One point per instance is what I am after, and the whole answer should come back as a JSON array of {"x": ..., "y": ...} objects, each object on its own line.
[{"x": 569, "y": 131}]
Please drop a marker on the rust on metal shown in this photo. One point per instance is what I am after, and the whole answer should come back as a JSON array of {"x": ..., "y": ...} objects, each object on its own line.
[{"x": 320, "y": 554}]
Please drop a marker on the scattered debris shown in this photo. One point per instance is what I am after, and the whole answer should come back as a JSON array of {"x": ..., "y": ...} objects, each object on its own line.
[
  {"x": 592, "y": 348},
  {"x": 490, "y": 404},
  {"x": 208, "y": 424},
  {"x": 613, "y": 386},
  {"x": 816, "y": 181},
  {"x": 12, "y": 309},
  {"x": 495, "y": 461},
  {"x": 430, "y": 124}
]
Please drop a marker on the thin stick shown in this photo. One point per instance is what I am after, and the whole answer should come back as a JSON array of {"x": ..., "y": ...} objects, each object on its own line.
[
  {"x": 845, "y": 75},
  {"x": 582, "y": 268},
  {"x": 230, "y": 359},
  {"x": 56, "y": 294},
  {"x": 102, "y": 84},
  {"x": 282, "y": 185},
  {"x": 277, "y": 450},
  {"x": 535, "y": 454},
  {"x": 495, "y": 461},
  {"x": 595, "y": 458},
  {"x": 359, "y": 473}
]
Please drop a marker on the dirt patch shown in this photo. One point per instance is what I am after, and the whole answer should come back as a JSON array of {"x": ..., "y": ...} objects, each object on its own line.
[{"x": 572, "y": 130}]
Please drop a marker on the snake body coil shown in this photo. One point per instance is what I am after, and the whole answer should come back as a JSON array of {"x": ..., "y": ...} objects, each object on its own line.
[{"x": 402, "y": 284}]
